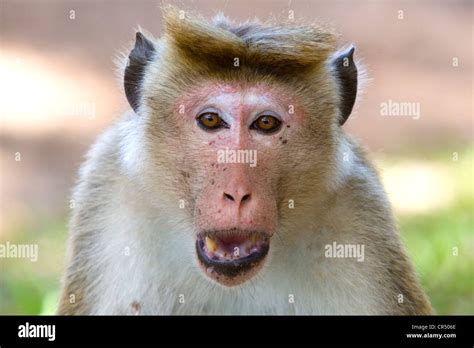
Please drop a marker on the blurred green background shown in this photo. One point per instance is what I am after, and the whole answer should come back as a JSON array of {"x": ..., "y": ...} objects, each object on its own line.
[{"x": 58, "y": 90}]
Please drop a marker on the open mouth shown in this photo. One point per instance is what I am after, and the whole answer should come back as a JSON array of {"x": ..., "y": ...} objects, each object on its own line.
[{"x": 231, "y": 257}]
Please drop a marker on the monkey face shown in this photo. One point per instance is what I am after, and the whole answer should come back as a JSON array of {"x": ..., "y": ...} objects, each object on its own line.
[{"x": 236, "y": 140}]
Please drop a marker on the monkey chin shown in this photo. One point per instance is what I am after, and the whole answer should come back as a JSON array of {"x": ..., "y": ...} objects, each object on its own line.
[{"x": 232, "y": 257}]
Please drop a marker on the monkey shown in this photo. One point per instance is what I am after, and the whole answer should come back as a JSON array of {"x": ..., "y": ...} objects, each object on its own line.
[{"x": 163, "y": 225}]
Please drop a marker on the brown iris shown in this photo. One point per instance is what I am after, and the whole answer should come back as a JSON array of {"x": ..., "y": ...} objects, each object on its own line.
[
  {"x": 210, "y": 120},
  {"x": 267, "y": 124}
]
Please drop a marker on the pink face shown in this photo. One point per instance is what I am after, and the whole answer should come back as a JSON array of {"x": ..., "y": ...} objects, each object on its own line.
[{"x": 237, "y": 137}]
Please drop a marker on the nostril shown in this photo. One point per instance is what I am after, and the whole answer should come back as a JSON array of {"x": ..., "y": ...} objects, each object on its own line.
[
  {"x": 246, "y": 197},
  {"x": 229, "y": 197}
]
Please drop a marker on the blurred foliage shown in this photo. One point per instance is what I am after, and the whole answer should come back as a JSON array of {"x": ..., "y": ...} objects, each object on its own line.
[
  {"x": 32, "y": 287},
  {"x": 441, "y": 247},
  {"x": 441, "y": 244},
  {"x": 26, "y": 287}
]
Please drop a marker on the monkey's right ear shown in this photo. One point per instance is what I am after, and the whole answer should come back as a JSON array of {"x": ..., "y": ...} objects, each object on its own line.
[
  {"x": 142, "y": 54},
  {"x": 346, "y": 73}
]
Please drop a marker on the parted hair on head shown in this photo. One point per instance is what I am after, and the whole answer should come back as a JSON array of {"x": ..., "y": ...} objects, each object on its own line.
[{"x": 265, "y": 47}]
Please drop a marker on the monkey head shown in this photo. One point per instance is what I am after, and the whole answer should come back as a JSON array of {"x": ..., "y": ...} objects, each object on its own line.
[{"x": 238, "y": 122}]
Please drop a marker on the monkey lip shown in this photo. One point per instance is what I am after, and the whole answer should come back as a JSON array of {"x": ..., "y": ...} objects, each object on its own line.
[{"x": 231, "y": 257}]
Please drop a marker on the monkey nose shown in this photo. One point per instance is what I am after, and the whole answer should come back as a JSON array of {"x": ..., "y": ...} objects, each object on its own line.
[{"x": 237, "y": 197}]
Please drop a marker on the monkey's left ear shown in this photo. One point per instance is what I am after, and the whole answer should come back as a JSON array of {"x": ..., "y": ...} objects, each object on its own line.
[
  {"x": 346, "y": 73},
  {"x": 142, "y": 54}
]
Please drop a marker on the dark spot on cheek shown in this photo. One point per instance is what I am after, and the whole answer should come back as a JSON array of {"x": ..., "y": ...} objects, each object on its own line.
[
  {"x": 281, "y": 138},
  {"x": 224, "y": 169},
  {"x": 212, "y": 142},
  {"x": 284, "y": 141},
  {"x": 219, "y": 211},
  {"x": 199, "y": 211},
  {"x": 185, "y": 174},
  {"x": 287, "y": 126},
  {"x": 212, "y": 181}
]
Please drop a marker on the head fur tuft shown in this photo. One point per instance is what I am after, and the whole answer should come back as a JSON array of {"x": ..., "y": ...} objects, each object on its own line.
[{"x": 267, "y": 48}]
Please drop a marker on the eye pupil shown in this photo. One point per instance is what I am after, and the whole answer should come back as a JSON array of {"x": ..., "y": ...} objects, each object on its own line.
[
  {"x": 210, "y": 120},
  {"x": 268, "y": 124}
]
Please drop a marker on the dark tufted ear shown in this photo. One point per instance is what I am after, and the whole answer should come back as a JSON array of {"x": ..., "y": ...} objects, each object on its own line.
[
  {"x": 142, "y": 54},
  {"x": 346, "y": 73}
]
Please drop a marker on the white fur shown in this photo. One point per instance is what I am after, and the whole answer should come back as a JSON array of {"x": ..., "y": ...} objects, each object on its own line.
[
  {"x": 344, "y": 164},
  {"x": 132, "y": 155},
  {"x": 162, "y": 264}
]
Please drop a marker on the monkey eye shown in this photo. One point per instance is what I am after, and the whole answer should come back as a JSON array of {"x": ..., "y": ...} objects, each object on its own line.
[
  {"x": 266, "y": 124},
  {"x": 210, "y": 121}
]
